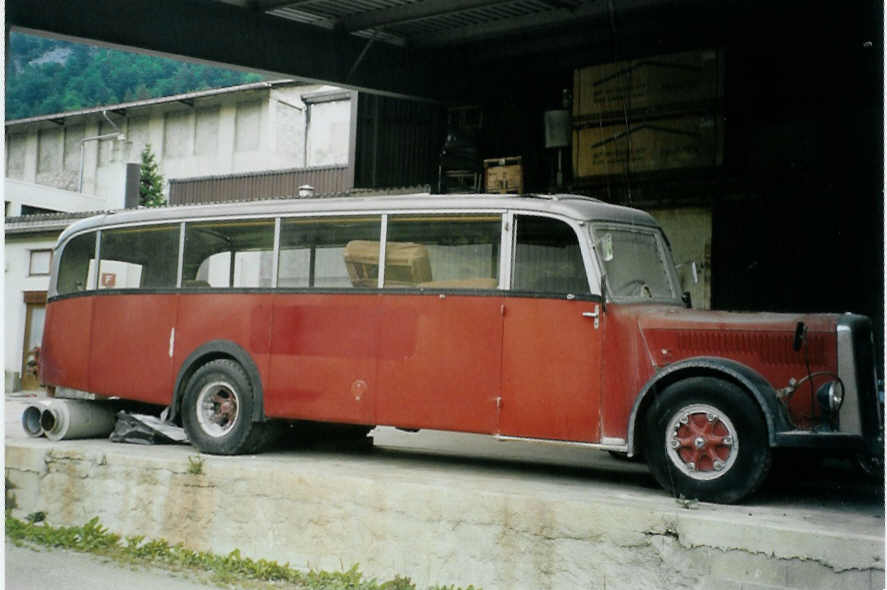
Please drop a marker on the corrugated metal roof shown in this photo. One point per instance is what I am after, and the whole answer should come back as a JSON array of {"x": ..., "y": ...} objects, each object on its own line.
[
  {"x": 408, "y": 21},
  {"x": 155, "y": 101},
  {"x": 44, "y": 222}
]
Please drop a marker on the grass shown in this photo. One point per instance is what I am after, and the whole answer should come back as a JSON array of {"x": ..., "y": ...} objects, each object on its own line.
[
  {"x": 224, "y": 570},
  {"x": 195, "y": 465}
]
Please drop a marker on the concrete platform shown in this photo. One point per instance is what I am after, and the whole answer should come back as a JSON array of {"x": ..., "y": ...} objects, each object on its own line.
[{"x": 461, "y": 509}]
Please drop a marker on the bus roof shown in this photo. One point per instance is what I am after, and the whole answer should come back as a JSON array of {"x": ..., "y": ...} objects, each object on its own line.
[{"x": 576, "y": 207}]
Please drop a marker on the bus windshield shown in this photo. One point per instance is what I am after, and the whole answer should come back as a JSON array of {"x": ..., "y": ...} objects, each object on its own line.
[{"x": 636, "y": 261}]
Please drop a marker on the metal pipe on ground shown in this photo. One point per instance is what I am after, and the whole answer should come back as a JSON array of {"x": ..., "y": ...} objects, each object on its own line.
[
  {"x": 64, "y": 419},
  {"x": 31, "y": 418}
]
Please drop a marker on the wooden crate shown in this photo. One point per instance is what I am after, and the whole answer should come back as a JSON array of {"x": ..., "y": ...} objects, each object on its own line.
[
  {"x": 693, "y": 141},
  {"x": 661, "y": 83},
  {"x": 504, "y": 175}
]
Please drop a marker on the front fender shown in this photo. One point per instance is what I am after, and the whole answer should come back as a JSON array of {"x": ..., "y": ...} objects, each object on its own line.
[{"x": 774, "y": 412}]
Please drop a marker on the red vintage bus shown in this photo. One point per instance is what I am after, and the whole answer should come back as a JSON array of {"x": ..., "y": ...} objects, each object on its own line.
[{"x": 550, "y": 317}]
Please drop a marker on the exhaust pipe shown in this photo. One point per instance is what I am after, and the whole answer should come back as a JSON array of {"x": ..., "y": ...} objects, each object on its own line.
[
  {"x": 31, "y": 418},
  {"x": 64, "y": 419}
]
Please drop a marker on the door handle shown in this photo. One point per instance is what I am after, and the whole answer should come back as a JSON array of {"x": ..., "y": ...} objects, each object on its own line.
[{"x": 596, "y": 314}]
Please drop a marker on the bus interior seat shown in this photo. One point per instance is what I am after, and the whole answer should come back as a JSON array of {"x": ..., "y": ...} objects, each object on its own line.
[
  {"x": 194, "y": 284},
  {"x": 406, "y": 264},
  {"x": 473, "y": 283}
]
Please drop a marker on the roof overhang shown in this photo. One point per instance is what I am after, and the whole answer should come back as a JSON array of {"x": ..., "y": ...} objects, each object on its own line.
[{"x": 433, "y": 49}]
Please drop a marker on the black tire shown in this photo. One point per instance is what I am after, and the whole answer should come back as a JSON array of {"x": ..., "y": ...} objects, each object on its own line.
[
  {"x": 217, "y": 411},
  {"x": 706, "y": 439}
]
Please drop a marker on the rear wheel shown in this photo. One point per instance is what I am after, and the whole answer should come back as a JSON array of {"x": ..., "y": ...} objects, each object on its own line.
[
  {"x": 218, "y": 408},
  {"x": 706, "y": 439}
]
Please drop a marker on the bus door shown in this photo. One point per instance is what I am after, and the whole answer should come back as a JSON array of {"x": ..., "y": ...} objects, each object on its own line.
[
  {"x": 441, "y": 323},
  {"x": 134, "y": 313},
  {"x": 551, "y": 357}
]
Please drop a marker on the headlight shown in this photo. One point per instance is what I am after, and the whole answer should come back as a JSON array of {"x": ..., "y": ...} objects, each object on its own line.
[{"x": 831, "y": 396}]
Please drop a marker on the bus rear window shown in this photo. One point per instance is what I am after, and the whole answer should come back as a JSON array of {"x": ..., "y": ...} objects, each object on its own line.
[
  {"x": 143, "y": 257},
  {"x": 77, "y": 266}
]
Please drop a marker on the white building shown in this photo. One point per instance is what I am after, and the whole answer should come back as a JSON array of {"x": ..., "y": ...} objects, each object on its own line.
[{"x": 76, "y": 161}]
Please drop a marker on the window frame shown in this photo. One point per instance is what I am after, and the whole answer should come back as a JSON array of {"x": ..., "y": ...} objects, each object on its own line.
[
  {"x": 272, "y": 220},
  {"x": 663, "y": 250},
  {"x": 98, "y": 251},
  {"x": 589, "y": 262},
  {"x": 503, "y": 241},
  {"x": 31, "y": 253}
]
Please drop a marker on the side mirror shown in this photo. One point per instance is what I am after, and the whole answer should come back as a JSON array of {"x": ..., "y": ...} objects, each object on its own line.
[
  {"x": 694, "y": 270},
  {"x": 688, "y": 301}
]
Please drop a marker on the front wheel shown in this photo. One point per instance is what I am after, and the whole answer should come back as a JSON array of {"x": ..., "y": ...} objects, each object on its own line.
[
  {"x": 706, "y": 439},
  {"x": 218, "y": 408}
]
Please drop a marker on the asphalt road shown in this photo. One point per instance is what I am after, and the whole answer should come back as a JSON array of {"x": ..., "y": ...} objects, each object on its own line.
[{"x": 28, "y": 569}]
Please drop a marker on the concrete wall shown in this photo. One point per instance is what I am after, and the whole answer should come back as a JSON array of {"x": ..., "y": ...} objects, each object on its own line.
[
  {"x": 16, "y": 281},
  {"x": 437, "y": 525},
  {"x": 243, "y": 131},
  {"x": 18, "y": 193}
]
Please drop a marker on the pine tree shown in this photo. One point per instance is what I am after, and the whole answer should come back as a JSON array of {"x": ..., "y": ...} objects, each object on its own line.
[{"x": 151, "y": 181}]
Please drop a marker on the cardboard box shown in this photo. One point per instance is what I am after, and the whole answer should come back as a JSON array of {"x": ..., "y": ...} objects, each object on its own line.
[
  {"x": 504, "y": 175},
  {"x": 692, "y": 141},
  {"x": 658, "y": 83}
]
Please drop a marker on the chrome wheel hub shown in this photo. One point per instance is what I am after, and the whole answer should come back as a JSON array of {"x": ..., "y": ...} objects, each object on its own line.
[
  {"x": 701, "y": 442},
  {"x": 217, "y": 408}
]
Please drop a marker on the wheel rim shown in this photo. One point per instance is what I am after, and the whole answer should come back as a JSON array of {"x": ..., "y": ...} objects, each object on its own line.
[
  {"x": 217, "y": 408},
  {"x": 701, "y": 442}
]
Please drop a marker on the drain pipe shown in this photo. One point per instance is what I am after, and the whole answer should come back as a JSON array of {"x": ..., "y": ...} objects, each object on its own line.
[
  {"x": 64, "y": 419},
  {"x": 119, "y": 135},
  {"x": 31, "y": 418}
]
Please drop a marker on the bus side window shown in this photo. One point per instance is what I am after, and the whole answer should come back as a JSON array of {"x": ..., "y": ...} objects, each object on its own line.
[
  {"x": 224, "y": 254},
  {"x": 547, "y": 258},
  {"x": 77, "y": 265},
  {"x": 143, "y": 257},
  {"x": 443, "y": 251},
  {"x": 329, "y": 252}
]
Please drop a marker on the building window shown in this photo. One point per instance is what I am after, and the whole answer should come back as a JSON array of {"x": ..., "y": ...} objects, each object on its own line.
[
  {"x": 39, "y": 263},
  {"x": 329, "y": 128}
]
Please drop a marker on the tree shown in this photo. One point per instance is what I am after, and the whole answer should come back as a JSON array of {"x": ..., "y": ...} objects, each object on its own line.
[{"x": 150, "y": 182}]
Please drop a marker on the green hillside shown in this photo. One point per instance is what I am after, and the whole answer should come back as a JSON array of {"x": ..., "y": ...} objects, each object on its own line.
[{"x": 48, "y": 76}]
